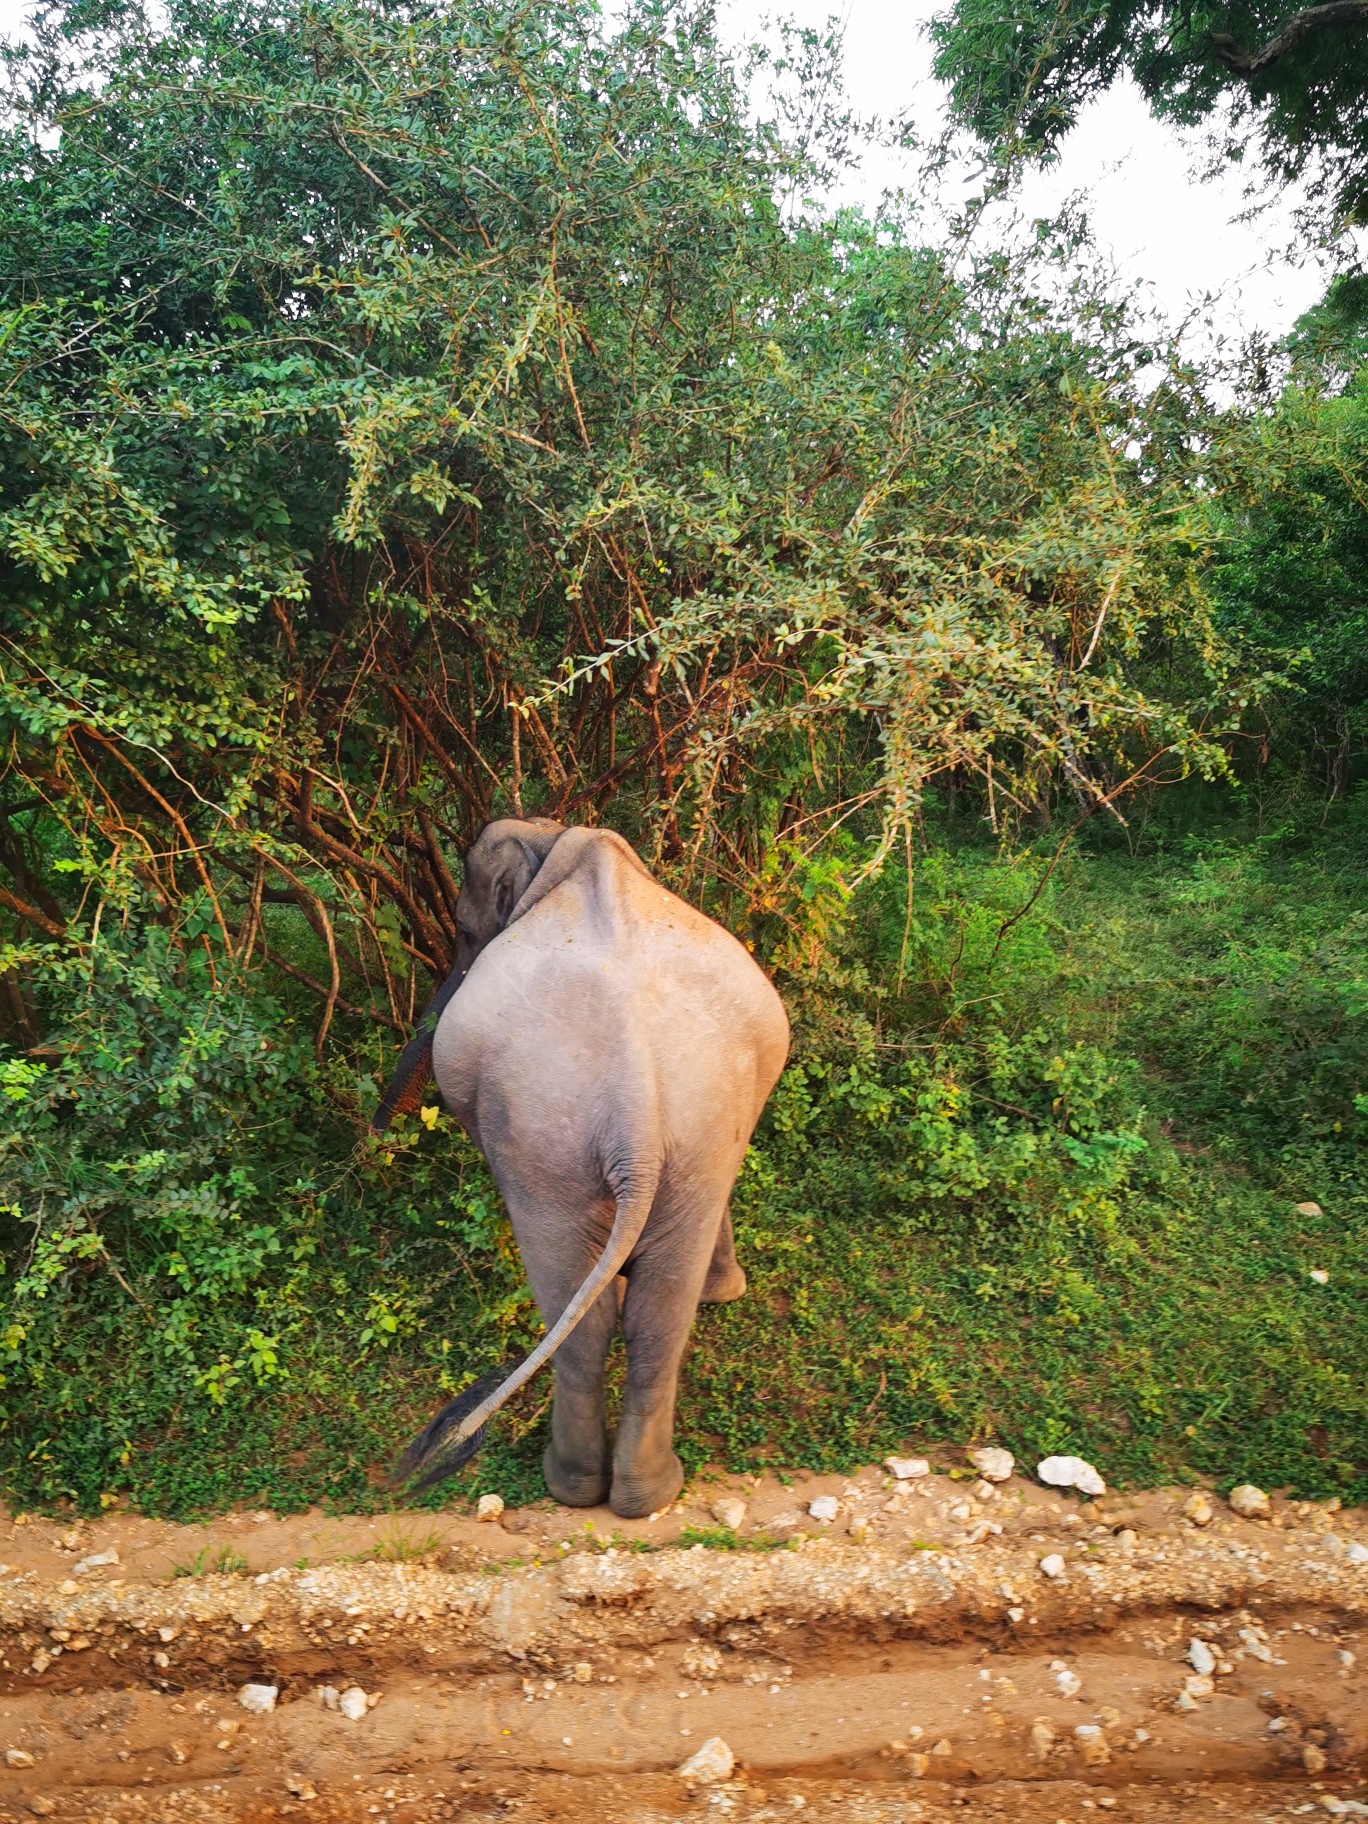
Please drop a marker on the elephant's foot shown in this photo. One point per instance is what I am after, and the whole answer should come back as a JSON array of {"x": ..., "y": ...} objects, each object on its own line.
[
  {"x": 571, "y": 1486},
  {"x": 635, "y": 1495},
  {"x": 720, "y": 1288}
]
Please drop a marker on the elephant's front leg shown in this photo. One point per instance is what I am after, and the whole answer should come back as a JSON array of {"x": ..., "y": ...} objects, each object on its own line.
[{"x": 726, "y": 1277}]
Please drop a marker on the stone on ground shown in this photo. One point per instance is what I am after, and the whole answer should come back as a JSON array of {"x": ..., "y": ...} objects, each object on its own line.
[
  {"x": 904, "y": 1469},
  {"x": 729, "y": 1511},
  {"x": 713, "y": 1761},
  {"x": 259, "y": 1699},
  {"x": 1071, "y": 1472},
  {"x": 993, "y": 1463},
  {"x": 1250, "y": 1503}
]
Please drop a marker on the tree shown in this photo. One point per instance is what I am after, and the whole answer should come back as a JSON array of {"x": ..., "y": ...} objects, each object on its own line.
[
  {"x": 1289, "y": 81},
  {"x": 415, "y": 413}
]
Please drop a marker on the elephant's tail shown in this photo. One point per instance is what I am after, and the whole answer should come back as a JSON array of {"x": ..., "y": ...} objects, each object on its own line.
[{"x": 457, "y": 1432}]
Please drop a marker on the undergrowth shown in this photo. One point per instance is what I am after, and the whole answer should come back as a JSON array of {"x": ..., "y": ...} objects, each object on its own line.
[{"x": 1032, "y": 1181}]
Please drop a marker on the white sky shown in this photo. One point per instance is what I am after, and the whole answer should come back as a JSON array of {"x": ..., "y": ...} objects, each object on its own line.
[{"x": 1170, "y": 236}]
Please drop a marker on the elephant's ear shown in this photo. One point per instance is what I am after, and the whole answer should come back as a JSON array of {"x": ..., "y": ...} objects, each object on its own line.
[{"x": 514, "y": 878}]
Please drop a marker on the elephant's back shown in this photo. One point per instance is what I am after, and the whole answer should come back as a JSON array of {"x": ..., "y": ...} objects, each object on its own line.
[{"x": 612, "y": 976}]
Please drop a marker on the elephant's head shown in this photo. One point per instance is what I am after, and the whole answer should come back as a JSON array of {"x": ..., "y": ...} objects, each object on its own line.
[{"x": 499, "y": 868}]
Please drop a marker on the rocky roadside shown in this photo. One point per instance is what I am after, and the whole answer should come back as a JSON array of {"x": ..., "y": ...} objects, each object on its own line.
[{"x": 890, "y": 1646}]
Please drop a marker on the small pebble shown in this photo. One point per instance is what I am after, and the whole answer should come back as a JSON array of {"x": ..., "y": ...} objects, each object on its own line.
[
  {"x": 18, "y": 1757},
  {"x": 1356, "y": 1552},
  {"x": 1201, "y": 1658},
  {"x": 1198, "y": 1509},
  {"x": 1308, "y": 1209},
  {"x": 353, "y": 1703},
  {"x": 259, "y": 1699},
  {"x": 300, "y": 1786},
  {"x": 1052, "y": 1565},
  {"x": 729, "y": 1511},
  {"x": 489, "y": 1507},
  {"x": 1067, "y": 1681},
  {"x": 1319, "y": 1274},
  {"x": 825, "y": 1507},
  {"x": 1313, "y": 1758}
]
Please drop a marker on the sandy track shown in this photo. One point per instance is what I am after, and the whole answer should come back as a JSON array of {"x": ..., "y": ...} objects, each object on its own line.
[{"x": 902, "y": 1664}]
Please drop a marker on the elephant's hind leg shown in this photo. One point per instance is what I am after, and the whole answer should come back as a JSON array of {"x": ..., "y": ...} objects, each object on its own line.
[
  {"x": 726, "y": 1277},
  {"x": 559, "y": 1248},
  {"x": 666, "y": 1280}
]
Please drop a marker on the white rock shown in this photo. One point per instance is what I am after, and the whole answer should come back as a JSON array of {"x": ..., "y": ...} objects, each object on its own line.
[
  {"x": 1052, "y": 1565},
  {"x": 992, "y": 1463},
  {"x": 1197, "y": 1686},
  {"x": 1067, "y": 1682},
  {"x": 1250, "y": 1503},
  {"x": 259, "y": 1699},
  {"x": 300, "y": 1786},
  {"x": 1308, "y": 1209},
  {"x": 713, "y": 1761},
  {"x": 825, "y": 1507},
  {"x": 729, "y": 1511},
  {"x": 1198, "y": 1509},
  {"x": 1201, "y": 1658},
  {"x": 95, "y": 1560},
  {"x": 18, "y": 1757},
  {"x": 489, "y": 1507},
  {"x": 352, "y": 1703},
  {"x": 1356, "y": 1552},
  {"x": 905, "y": 1469},
  {"x": 326, "y": 1695},
  {"x": 1319, "y": 1274},
  {"x": 1071, "y": 1472}
]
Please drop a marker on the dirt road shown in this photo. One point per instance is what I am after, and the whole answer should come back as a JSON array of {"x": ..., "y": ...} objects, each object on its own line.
[{"x": 904, "y": 1661}]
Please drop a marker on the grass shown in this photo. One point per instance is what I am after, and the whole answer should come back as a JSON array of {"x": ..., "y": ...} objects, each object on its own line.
[
  {"x": 398, "y": 1546},
  {"x": 1040, "y": 1193},
  {"x": 209, "y": 1561}
]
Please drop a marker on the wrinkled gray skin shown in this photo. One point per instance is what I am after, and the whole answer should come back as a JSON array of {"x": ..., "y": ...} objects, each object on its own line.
[{"x": 609, "y": 1051}]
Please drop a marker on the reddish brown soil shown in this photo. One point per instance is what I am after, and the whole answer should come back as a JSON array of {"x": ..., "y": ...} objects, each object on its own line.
[{"x": 835, "y": 1708}]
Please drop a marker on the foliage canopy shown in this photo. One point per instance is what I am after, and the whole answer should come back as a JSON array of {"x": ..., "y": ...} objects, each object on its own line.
[{"x": 1287, "y": 80}]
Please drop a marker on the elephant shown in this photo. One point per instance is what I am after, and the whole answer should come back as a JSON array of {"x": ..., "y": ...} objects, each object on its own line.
[{"x": 609, "y": 1049}]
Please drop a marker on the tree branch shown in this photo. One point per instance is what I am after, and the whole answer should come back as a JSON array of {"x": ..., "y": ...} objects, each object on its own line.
[{"x": 1287, "y": 37}]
